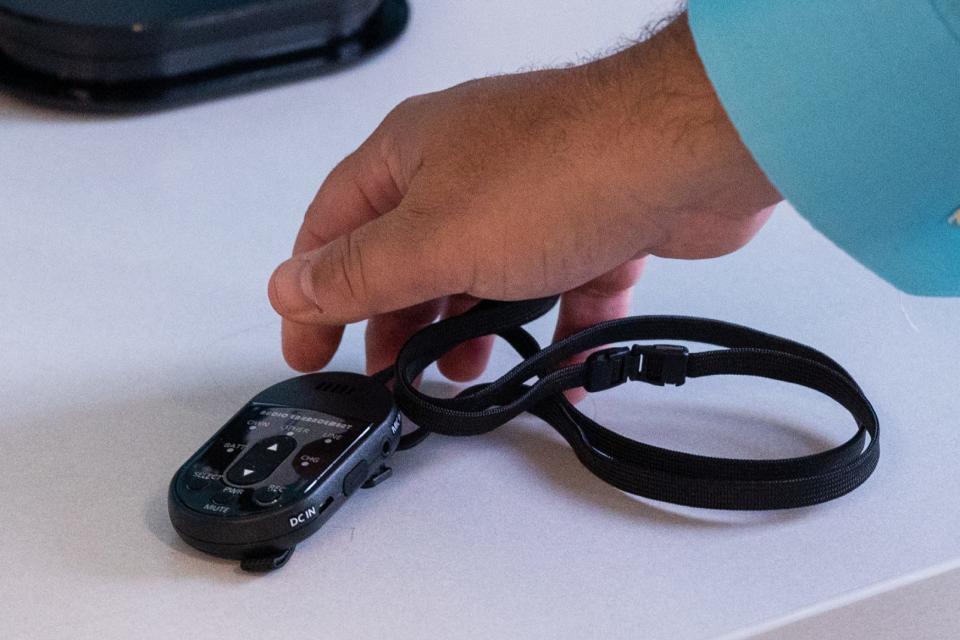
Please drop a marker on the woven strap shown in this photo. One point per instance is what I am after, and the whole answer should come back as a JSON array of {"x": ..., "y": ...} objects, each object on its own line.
[{"x": 537, "y": 384}]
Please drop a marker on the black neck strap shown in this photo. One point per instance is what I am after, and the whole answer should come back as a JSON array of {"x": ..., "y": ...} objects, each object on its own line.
[{"x": 536, "y": 385}]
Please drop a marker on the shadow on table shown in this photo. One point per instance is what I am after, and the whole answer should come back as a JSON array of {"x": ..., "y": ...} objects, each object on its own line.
[
  {"x": 14, "y": 109},
  {"x": 103, "y": 469},
  {"x": 538, "y": 445}
]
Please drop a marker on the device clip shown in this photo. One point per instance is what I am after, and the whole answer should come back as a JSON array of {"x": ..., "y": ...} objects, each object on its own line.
[{"x": 264, "y": 563}]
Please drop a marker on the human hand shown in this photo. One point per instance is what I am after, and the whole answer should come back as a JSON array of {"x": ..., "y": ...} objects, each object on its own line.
[{"x": 515, "y": 187}]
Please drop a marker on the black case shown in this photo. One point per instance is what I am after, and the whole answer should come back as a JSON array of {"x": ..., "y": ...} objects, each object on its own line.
[{"x": 136, "y": 55}]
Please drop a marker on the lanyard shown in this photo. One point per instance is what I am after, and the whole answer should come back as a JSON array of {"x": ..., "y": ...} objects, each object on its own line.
[{"x": 536, "y": 385}]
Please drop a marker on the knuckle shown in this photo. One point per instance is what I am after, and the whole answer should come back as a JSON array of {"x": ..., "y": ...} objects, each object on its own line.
[
  {"x": 352, "y": 268},
  {"x": 402, "y": 140},
  {"x": 389, "y": 148},
  {"x": 343, "y": 271},
  {"x": 344, "y": 172},
  {"x": 400, "y": 115}
]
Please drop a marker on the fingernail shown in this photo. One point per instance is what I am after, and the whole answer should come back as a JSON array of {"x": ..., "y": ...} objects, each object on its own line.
[{"x": 290, "y": 291}]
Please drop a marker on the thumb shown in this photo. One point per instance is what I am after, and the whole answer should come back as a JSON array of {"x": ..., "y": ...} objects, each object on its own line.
[{"x": 396, "y": 261}]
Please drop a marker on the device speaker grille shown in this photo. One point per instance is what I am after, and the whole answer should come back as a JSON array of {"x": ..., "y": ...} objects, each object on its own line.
[{"x": 338, "y": 388}]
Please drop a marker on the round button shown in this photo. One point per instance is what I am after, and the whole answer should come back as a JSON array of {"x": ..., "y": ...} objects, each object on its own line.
[
  {"x": 265, "y": 496},
  {"x": 226, "y": 497}
]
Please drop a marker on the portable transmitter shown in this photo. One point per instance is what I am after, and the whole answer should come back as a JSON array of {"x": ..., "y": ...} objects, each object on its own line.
[{"x": 277, "y": 470}]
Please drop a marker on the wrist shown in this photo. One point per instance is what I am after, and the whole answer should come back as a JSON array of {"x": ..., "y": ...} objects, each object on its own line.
[{"x": 671, "y": 137}]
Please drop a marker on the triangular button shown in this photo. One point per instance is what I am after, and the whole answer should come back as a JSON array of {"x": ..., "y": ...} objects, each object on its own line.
[
  {"x": 247, "y": 472},
  {"x": 272, "y": 447}
]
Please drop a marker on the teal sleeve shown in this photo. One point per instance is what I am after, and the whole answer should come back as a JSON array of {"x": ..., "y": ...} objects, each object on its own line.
[{"x": 852, "y": 108}]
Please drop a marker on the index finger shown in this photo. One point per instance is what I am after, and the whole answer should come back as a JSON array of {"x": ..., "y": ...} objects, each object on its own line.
[{"x": 354, "y": 193}]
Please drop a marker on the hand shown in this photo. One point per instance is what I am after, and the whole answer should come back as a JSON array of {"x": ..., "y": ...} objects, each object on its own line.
[{"x": 520, "y": 186}]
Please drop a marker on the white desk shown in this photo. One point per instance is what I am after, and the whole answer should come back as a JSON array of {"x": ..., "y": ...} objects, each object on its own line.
[{"x": 134, "y": 320}]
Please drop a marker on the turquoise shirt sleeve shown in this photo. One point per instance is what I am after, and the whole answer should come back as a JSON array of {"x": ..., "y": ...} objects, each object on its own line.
[{"x": 852, "y": 108}]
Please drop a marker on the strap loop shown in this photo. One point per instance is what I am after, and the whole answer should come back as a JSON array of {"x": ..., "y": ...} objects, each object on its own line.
[{"x": 537, "y": 384}]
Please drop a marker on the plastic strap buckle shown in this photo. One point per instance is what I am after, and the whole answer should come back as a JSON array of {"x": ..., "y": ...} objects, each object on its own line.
[
  {"x": 660, "y": 364},
  {"x": 664, "y": 364}
]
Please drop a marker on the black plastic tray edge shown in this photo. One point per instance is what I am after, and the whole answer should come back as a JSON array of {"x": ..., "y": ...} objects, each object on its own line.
[{"x": 384, "y": 27}]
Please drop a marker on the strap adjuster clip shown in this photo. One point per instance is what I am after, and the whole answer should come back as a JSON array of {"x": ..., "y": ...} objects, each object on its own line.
[
  {"x": 664, "y": 364},
  {"x": 609, "y": 368},
  {"x": 659, "y": 364}
]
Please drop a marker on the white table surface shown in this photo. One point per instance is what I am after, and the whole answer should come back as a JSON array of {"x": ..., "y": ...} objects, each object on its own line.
[{"x": 134, "y": 321}]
